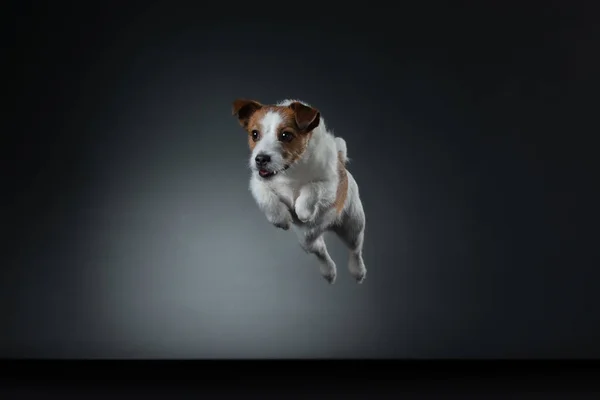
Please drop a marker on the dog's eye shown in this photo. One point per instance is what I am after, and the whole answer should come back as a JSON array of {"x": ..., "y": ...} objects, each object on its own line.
[
  {"x": 255, "y": 135},
  {"x": 285, "y": 136}
]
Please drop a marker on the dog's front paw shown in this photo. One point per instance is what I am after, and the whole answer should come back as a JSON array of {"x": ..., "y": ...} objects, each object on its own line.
[
  {"x": 285, "y": 225},
  {"x": 281, "y": 221},
  {"x": 304, "y": 214}
]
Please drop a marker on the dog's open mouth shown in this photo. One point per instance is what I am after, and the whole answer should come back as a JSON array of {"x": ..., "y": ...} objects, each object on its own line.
[{"x": 265, "y": 173}]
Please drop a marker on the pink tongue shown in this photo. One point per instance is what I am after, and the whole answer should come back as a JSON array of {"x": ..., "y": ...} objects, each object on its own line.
[{"x": 263, "y": 172}]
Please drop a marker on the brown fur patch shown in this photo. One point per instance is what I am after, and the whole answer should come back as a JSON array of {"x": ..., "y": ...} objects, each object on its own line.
[{"x": 342, "y": 188}]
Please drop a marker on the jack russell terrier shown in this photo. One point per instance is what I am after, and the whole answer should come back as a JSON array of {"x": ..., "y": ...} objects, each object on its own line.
[{"x": 299, "y": 179}]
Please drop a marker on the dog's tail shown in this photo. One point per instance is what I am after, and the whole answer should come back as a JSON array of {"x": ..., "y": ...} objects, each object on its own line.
[{"x": 342, "y": 149}]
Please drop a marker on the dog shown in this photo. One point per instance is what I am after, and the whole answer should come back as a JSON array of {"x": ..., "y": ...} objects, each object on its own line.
[{"x": 299, "y": 179}]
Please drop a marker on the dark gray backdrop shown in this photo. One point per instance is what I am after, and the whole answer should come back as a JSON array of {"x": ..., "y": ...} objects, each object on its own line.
[{"x": 130, "y": 231}]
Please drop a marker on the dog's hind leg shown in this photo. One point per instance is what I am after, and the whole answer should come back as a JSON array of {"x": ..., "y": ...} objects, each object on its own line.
[
  {"x": 314, "y": 243},
  {"x": 352, "y": 232}
]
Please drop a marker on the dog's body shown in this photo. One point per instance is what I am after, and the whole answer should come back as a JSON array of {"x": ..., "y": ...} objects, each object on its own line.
[{"x": 299, "y": 179}]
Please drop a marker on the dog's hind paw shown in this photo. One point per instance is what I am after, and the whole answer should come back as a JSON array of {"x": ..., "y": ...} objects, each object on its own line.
[
  {"x": 360, "y": 276},
  {"x": 329, "y": 276}
]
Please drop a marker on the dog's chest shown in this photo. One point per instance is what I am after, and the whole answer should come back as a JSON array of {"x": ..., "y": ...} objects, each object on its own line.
[{"x": 287, "y": 191}]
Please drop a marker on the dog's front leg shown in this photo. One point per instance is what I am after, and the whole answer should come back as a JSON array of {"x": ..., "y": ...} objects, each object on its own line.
[
  {"x": 307, "y": 202},
  {"x": 269, "y": 203}
]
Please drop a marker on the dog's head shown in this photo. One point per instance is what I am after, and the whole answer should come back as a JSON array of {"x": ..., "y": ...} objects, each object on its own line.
[{"x": 278, "y": 135}]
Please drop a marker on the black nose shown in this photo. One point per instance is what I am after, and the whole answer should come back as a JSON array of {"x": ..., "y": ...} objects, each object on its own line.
[{"x": 262, "y": 160}]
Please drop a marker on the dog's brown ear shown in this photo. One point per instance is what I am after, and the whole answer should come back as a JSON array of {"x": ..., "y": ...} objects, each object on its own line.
[
  {"x": 243, "y": 110},
  {"x": 307, "y": 118}
]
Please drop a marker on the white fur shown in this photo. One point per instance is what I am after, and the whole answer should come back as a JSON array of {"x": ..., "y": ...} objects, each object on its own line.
[{"x": 308, "y": 190}]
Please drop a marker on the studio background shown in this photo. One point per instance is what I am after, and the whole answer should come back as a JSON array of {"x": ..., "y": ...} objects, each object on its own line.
[{"x": 130, "y": 230}]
